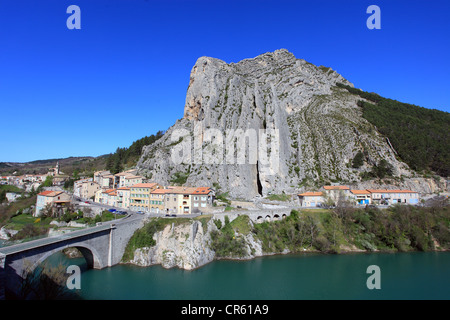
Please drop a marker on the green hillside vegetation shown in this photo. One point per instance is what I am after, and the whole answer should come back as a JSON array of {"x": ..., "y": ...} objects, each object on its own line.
[
  {"x": 128, "y": 157},
  {"x": 420, "y": 136},
  {"x": 399, "y": 228}
]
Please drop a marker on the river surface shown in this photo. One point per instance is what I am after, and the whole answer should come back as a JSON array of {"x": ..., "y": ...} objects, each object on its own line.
[{"x": 418, "y": 275}]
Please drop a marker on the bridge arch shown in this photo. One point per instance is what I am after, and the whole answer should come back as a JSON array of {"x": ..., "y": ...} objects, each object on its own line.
[{"x": 89, "y": 253}]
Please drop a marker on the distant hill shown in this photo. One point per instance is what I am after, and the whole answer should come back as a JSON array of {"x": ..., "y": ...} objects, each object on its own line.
[{"x": 67, "y": 165}]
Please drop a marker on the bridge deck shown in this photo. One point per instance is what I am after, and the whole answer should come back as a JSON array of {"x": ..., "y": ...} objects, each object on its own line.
[{"x": 46, "y": 241}]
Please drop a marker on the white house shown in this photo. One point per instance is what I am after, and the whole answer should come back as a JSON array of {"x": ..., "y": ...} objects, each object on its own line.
[{"x": 311, "y": 199}]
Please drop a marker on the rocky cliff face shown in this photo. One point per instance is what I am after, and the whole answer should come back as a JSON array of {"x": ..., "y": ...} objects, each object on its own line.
[
  {"x": 186, "y": 246},
  {"x": 302, "y": 129}
]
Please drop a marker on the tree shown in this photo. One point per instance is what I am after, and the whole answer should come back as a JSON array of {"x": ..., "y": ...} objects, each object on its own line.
[
  {"x": 382, "y": 169},
  {"x": 358, "y": 160},
  {"x": 48, "y": 182},
  {"x": 47, "y": 210},
  {"x": 109, "y": 162}
]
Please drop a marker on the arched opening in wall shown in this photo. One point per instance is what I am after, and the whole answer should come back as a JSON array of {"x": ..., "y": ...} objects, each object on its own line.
[
  {"x": 276, "y": 217},
  {"x": 51, "y": 277}
]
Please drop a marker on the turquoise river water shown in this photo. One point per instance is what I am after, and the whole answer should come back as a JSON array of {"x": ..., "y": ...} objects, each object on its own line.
[{"x": 418, "y": 275}]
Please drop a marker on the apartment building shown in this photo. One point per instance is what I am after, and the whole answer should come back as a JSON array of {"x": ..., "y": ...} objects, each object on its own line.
[
  {"x": 140, "y": 196},
  {"x": 381, "y": 196},
  {"x": 85, "y": 188},
  {"x": 202, "y": 197},
  {"x": 123, "y": 197},
  {"x": 157, "y": 200},
  {"x": 178, "y": 200}
]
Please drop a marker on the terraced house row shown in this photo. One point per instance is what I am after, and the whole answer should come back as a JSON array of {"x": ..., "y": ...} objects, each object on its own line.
[
  {"x": 155, "y": 198},
  {"x": 332, "y": 194}
]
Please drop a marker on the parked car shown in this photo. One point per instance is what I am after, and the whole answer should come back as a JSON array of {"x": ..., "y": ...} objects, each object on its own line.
[{"x": 140, "y": 212}]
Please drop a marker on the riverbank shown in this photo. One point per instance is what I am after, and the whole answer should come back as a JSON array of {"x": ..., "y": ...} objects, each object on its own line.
[{"x": 191, "y": 243}]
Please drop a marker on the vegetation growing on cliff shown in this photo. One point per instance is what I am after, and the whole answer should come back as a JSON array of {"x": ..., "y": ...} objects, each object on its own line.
[
  {"x": 128, "y": 157},
  {"x": 143, "y": 237},
  {"x": 420, "y": 136},
  {"x": 399, "y": 228},
  {"x": 226, "y": 241}
]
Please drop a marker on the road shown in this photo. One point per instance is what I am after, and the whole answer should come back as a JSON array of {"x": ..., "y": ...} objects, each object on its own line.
[{"x": 82, "y": 202}]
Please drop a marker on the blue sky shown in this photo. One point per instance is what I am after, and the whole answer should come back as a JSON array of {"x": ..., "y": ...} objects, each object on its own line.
[{"x": 125, "y": 73}]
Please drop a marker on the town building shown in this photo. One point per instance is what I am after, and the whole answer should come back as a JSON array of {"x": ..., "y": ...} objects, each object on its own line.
[
  {"x": 178, "y": 200},
  {"x": 123, "y": 197},
  {"x": 85, "y": 188},
  {"x": 104, "y": 196},
  {"x": 105, "y": 179},
  {"x": 58, "y": 200},
  {"x": 362, "y": 196},
  {"x": 202, "y": 197},
  {"x": 336, "y": 193},
  {"x": 157, "y": 200},
  {"x": 127, "y": 178},
  {"x": 311, "y": 199},
  {"x": 388, "y": 197},
  {"x": 130, "y": 180},
  {"x": 140, "y": 196}
]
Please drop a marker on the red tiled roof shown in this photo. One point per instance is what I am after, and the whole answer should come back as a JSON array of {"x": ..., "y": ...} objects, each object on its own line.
[
  {"x": 202, "y": 190},
  {"x": 144, "y": 185},
  {"x": 389, "y": 191},
  {"x": 359, "y": 191},
  {"x": 336, "y": 187},
  {"x": 185, "y": 190},
  {"x": 49, "y": 193},
  {"x": 314, "y": 194},
  {"x": 160, "y": 191}
]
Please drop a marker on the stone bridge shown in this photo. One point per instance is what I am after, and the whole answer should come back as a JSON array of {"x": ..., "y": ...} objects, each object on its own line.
[
  {"x": 102, "y": 246},
  {"x": 257, "y": 216}
]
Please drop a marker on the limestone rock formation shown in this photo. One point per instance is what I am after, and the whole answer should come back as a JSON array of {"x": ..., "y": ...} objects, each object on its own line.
[
  {"x": 185, "y": 246},
  {"x": 188, "y": 246},
  {"x": 308, "y": 128}
]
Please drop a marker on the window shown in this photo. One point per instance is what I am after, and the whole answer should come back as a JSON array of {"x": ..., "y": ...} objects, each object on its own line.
[
  {"x": 203, "y": 205},
  {"x": 203, "y": 198}
]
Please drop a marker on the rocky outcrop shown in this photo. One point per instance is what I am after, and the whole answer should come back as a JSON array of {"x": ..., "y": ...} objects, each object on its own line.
[
  {"x": 188, "y": 246},
  {"x": 302, "y": 129},
  {"x": 185, "y": 246}
]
